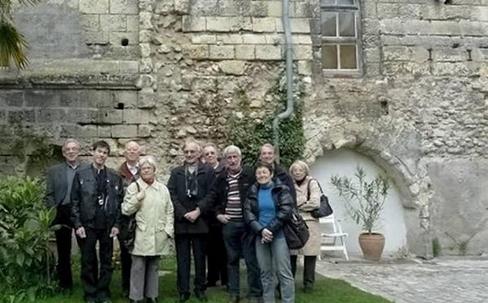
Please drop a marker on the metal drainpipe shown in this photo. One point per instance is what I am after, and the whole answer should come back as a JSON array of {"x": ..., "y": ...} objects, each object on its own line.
[{"x": 289, "y": 80}]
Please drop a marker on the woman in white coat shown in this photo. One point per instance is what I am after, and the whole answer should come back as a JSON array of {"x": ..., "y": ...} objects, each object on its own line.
[
  {"x": 308, "y": 199},
  {"x": 150, "y": 201}
]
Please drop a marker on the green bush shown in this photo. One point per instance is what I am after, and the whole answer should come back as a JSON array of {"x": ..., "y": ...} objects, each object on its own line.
[{"x": 25, "y": 254}]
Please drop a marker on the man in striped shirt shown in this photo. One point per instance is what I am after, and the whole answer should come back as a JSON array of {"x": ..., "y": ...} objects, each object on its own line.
[{"x": 227, "y": 197}]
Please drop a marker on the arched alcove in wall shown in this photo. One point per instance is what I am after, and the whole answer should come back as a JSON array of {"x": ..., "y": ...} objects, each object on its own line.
[{"x": 393, "y": 224}]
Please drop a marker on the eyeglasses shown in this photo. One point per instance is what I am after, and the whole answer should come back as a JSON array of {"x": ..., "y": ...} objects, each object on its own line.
[
  {"x": 189, "y": 151},
  {"x": 209, "y": 153}
]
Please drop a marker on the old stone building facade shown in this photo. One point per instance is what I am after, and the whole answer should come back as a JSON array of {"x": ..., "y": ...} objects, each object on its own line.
[{"x": 402, "y": 82}]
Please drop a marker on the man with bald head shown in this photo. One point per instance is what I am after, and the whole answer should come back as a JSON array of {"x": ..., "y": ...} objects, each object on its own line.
[
  {"x": 58, "y": 195},
  {"x": 129, "y": 172}
]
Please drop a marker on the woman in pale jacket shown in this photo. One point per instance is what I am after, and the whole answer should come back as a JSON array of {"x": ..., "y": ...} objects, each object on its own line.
[
  {"x": 150, "y": 201},
  {"x": 308, "y": 199}
]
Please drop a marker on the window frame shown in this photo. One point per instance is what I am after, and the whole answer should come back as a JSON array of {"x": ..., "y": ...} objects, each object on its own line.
[{"x": 354, "y": 8}]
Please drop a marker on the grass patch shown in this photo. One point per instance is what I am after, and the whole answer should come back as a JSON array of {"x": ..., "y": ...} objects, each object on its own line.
[{"x": 326, "y": 290}]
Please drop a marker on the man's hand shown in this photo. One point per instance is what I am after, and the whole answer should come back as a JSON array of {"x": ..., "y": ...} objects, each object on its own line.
[
  {"x": 80, "y": 232},
  {"x": 224, "y": 219},
  {"x": 267, "y": 236},
  {"x": 193, "y": 215},
  {"x": 114, "y": 232}
]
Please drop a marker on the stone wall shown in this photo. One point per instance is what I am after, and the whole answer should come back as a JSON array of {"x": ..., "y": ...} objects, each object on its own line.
[{"x": 418, "y": 107}]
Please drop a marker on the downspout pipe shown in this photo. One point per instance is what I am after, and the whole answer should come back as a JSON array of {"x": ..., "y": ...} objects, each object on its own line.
[{"x": 289, "y": 80}]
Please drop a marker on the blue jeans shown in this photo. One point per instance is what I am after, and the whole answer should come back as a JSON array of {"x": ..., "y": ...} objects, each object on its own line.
[
  {"x": 274, "y": 259},
  {"x": 239, "y": 241}
]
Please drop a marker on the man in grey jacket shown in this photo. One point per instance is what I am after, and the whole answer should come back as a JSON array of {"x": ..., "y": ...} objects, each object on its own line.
[{"x": 58, "y": 195}]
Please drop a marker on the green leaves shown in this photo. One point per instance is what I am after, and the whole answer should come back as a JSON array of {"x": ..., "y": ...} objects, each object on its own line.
[
  {"x": 25, "y": 232},
  {"x": 12, "y": 46},
  {"x": 364, "y": 199}
]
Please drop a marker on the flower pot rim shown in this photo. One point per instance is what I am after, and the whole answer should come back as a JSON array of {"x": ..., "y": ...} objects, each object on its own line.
[{"x": 373, "y": 233}]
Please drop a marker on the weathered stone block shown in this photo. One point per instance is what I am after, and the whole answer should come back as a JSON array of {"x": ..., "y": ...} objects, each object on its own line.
[
  {"x": 221, "y": 51},
  {"x": 110, "y": 116},
  {"x": 147, "y": 98},
  {"x": 138, "y": 116},
  {"x": 304, "y": 67},
  {"x": 50, "y": 115},
  {"x": 41, "y": 98},
  {"x": 233, "y": 67},
  {"x": 302, "y": 52},
  {"x": 113, "y": 23},
  {"x": 203, "y": 39},
  {"x": 124, "y": 131},
  {"x": 263, "y": 24},
  {"x": 144, "y": 130},
  {"x": 245, "y": 52},
  {"x": 96, "y": 37},
  {"x": 228, "y": 24},
  {"x": 194, "y": 24},
  {"x": 230, "y": 38},
  {"x": 21, "y": 116},
  {"x": 197, "y": 51},
  {"x": 275, "y": 8},
  {"x": 145, "y": 20},
  {"x": 90, "y": 22},
  {"x": 94, "y": 6},
  {"x": 253, "y": 39},
  {"x": 11, "y": 98},
  {"x": 133, "y": 23},
  {"x": 104, "y": 131},
  {"x": 129, "y": 7},
  {"x": 127, "y": 98},
  {"x": 117, "y": 37},
  {"x": 268, "y": 52},
  {"x": 78, "y": 131},
  {"x": 259, "y": 9},
  {"x": 84, "y": 116}
]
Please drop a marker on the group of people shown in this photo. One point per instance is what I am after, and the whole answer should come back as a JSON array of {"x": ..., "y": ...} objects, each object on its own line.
[{"x": 213, "y": 207}]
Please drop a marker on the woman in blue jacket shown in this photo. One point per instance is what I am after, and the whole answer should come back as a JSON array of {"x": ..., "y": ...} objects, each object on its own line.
[{"x": 268, "y": 206}]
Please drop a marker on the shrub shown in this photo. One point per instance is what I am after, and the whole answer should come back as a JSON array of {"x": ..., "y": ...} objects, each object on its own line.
[{"x": 26, "y": 258}]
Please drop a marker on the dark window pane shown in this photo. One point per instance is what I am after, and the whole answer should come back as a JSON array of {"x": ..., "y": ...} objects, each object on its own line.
[
  {"x": 329, "y": 56},
  {"x": 347, "y": 25},
  {"x": 345, "y": 2},
  {"x": 348, "y": 57},
  {"x": 329, "y": 24}
]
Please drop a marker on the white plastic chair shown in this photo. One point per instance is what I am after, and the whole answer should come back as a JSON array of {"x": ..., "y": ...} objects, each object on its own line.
[{"x": 335, "y": 240}]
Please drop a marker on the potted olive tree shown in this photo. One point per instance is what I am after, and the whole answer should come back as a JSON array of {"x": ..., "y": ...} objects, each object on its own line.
[{"x": 364, "y": 201}]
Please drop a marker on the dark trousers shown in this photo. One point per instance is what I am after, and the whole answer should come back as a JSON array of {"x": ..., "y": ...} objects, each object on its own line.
[
  {"x": 308, "y": 269},
  {"x": 185, "y": 244},
  {"x": 126, "y": 263},
  {"x": 216, "y": 256},
  {"x": 239, "y": 241},
  {"x": 95, "y": 284},
  {"x": 63, "y": 245}
]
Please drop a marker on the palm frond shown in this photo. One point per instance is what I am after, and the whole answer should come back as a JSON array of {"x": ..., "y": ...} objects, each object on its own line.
[{"x": 12, "y": 46}]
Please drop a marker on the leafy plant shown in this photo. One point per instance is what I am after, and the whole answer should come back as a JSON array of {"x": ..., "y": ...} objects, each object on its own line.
[
  {"x": 364, "y": 200},
  {"x": 251, "y": 133},
  {"x": 25, "y": 253}
]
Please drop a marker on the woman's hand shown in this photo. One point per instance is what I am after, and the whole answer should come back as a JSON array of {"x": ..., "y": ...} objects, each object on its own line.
[{"x": 266, "y": 235}]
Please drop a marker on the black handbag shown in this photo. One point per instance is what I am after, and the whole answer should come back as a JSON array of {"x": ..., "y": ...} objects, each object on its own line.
[
  {"x": 296, "y": 231},
  {"x": 324, "y": 209},
  {"x": 128, "y": 228}
]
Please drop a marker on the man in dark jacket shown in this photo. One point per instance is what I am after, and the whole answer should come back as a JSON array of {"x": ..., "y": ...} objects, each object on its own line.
[
  {"x": 227, "y": 198},
  {"x": 58, "y": 195},
  {"x": 188, "y": 185},
  {"x": 96, "y": 197},
  {"x": 267, "y": 155},
  {"x": 129, "y": 172}
]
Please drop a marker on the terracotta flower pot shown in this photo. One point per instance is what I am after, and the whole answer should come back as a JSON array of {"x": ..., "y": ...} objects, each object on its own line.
[{"x": 372, "y": 245}]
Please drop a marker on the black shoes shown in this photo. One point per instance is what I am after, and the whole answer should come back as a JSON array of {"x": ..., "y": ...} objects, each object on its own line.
[
  {"x": 201, "y": 296},
  {"x": 184, "y": 297}
]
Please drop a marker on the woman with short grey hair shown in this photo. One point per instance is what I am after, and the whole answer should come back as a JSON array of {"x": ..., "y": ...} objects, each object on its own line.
[
  {"x": 308, "y": 199},
  {"x": 150, "y": 201}
]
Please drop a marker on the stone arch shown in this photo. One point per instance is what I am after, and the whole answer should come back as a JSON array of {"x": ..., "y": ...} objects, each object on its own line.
[{"x": 408, "y": 175}]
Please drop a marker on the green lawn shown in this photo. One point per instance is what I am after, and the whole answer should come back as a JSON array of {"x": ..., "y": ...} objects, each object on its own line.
[{"x": 326, "y": 290}]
